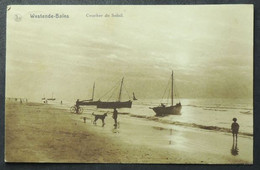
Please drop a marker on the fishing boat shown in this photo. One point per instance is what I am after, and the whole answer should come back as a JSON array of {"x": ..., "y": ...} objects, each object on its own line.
[
  {"x": 51, "y": 98},
  {"x": 43, "y": 98},
  {"x": 116, "y": 104},
  {"x": 164, "y": 110},
  {"x": 90, "y": 101},
  {"x": 134, "y": 98}
]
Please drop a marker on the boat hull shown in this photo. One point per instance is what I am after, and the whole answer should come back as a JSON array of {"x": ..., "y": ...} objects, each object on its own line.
[
  {"x": 111, "y": 105},
  {"x": 164, "y": 111},
  {"x": 88, "y": 103}
]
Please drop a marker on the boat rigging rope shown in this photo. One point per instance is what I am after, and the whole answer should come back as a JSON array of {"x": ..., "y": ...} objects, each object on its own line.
[
  {"x": 110, "y": 90},
  {"x": 168, "y": 97},
  {"x": 176, "y": 93},
  {"x": 126, "y": 91},
  {"x": 165, "y": 90},
  {"x": 113, "y": 92}
]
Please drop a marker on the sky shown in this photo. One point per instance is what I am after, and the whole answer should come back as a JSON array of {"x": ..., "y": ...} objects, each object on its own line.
[{"x": 209, "y": 48}]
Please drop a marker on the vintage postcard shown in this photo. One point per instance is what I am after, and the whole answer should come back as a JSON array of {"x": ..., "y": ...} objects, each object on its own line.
[{"x": 129, "y": 84}]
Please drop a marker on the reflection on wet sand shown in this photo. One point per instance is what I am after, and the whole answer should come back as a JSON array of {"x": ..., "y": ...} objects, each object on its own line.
[
  {"x": 234, "y": 149},
  {"x": 116, "y": 128}
]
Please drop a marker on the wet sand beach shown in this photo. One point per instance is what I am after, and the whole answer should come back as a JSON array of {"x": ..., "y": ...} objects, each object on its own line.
[{"x": 43, "y": 133}]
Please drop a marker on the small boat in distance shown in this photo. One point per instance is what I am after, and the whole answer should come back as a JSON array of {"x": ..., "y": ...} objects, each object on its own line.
[
  {"x": 164, "y": 110},
  {"x": 134, "y": 98},
  {"x": 116, "y": 104},
  {"x": 43, "y": 97},
  {"x": 51, "y": 98}
]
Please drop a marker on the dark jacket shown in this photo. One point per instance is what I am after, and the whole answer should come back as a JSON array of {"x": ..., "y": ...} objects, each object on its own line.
[{"x": 235, "y": 127}]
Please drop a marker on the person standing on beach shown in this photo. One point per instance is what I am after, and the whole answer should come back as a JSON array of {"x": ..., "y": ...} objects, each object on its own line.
[
  {"x": 77, "y": 106},
  {"x": 115, "y": 116},
  {"x": 235, "y": 128}
]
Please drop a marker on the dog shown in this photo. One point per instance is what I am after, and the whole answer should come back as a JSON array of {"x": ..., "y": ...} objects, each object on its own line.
[{"x": 102, "y": 117}]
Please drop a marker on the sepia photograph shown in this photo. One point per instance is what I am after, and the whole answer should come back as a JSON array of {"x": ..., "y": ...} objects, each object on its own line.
[{"x": 145, "y": 84}]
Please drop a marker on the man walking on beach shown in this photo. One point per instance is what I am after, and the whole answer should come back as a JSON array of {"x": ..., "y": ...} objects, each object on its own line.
[
  {"x": 115, "y": 116},
  {"x": 235, "y": 128}
]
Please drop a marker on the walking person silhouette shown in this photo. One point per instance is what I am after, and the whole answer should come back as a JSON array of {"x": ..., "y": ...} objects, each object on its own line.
[
  {"x": 235, "y": 128},
  {"x": 115, "y": 113}
]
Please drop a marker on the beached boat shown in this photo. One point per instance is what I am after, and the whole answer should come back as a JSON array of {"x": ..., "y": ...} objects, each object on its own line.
[
  {"x": 164, "y": 110},
  {"x": 89, "y": 101},
  {"x": 115, "y": 104}
]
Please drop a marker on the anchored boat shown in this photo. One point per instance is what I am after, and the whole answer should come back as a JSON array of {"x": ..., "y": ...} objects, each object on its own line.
[
  {"x": 164, "y": 110},
  {"x": 52, "y": 98},
  {"x": 89, "y": 101},
  {"x": 116, "y": 104}
]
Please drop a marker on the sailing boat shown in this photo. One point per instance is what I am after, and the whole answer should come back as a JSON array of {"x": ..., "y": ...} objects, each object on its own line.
[
  {"x": 51, "y": 98},
  {"x": 163, "y": 110},
  {"x": 116, "y": 104},
  {"x": 90, "y": 101},
  {"x": 134, "y": 98}
]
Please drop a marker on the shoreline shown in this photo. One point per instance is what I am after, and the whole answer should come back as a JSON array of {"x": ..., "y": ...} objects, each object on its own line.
[{"x": 43, "y": 133}]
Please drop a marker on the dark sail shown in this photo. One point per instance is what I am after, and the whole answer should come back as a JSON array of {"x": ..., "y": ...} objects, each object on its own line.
[{"x": 168, "y": 110}]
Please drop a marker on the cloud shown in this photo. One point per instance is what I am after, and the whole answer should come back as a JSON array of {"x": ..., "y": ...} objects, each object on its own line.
[{"x": 209, "y": 48}]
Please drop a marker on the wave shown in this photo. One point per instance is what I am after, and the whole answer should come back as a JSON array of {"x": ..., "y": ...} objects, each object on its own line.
[
  {"x": 247, "y": 112},
  {"x": 216, "y": 110},
  {"x": 193, "y": 125},
  {"x": 219, "y": 108}
]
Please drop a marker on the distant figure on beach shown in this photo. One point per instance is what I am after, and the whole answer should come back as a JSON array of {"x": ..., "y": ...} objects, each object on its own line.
[
  {"x": 61, "y": 102},
  {"x": 115, "y": 113},
  {"x": 21, "y": 101},
  {"x": 235, "y": 128},
  {"x": 77, "y": 106}
]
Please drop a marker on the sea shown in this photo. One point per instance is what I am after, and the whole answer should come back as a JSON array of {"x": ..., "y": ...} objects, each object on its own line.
[{"x": 209, "y": 114}]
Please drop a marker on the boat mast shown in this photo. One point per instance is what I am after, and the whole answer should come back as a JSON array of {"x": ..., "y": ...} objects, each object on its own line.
[
  {"x": 119, "y": 97},
  {"x": 172, "y": 89},
  {"x": 93, "y": 92}
]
